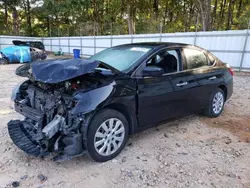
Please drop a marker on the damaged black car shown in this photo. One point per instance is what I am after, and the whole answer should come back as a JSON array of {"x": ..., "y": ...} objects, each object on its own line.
[{"x": 77, "y": 106}]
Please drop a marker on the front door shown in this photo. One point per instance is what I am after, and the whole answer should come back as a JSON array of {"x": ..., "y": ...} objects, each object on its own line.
[{"x": 164, "y": 97}]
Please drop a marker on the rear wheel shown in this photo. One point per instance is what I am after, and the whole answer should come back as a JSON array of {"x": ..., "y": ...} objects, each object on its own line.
[
  {"x": 216, "y": 103},
  {"x": 107, "y": 135}
]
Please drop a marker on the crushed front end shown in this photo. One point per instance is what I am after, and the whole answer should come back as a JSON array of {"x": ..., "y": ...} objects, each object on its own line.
[
  {"x": 57, "y": 102},
  {"x": 49, "y": 126}
]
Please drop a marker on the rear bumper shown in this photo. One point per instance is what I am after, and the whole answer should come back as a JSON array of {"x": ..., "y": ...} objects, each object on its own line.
[{"x": 229, "y": 86}]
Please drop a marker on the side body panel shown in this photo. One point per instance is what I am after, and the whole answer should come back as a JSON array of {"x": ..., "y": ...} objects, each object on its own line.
[
  {"x": 202, "y": 82},
  {"x": 160, "y": 98},
  {"x": 149, "y": 101},
  {"x": 120, "y": 94}
]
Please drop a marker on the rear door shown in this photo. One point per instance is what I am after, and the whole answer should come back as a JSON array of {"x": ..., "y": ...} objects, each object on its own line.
[
  {"x": 161, "y": 98},
  {"x": 204, "y": 76}
]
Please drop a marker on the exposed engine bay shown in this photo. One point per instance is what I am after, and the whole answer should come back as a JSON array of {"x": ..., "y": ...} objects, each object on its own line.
[{"x": 49, "y": 125}]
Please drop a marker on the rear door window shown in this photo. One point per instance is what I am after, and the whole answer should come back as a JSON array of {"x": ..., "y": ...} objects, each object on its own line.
[{"x": 195, "y": 58}]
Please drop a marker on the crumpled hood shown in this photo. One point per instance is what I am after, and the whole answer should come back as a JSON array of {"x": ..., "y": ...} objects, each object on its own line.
[{"x": 59, "y": 70}]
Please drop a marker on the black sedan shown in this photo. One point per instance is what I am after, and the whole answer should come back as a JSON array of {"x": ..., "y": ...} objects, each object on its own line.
[{"x": 75, "y": 106}]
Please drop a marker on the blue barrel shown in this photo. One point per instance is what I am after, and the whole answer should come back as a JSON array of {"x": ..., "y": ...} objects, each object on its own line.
[{"x": 76, "y": 53}]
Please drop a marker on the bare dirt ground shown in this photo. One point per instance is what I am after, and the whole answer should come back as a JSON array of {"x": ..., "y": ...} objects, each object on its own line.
[
  {"x": 191, "y": 152},
  {"x": 52, "y": 56}
]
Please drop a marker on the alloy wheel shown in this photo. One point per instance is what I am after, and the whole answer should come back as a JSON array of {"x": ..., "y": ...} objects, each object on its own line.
[
  {"x": 109, "y": 137},
  {"x": 218, "y": 102}
]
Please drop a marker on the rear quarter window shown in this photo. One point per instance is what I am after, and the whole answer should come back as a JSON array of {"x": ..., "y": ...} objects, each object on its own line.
[{"x": 211, "y": 60}]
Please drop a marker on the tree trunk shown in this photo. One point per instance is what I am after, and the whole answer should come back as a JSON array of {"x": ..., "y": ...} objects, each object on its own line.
[
  {"x": 156, "y": 9},
  {"x": 239, "y": 9},
  {"x": 232, "y": 15},
  {"x": 165, "y": 14},
  {"x": 205, "y": 12},
  {"x": 171, "y": 16},
  {"x": 133, "y": 10},
  {"x": 28, "y": 18},
  {"x": 192, "y": 15},
  {"x": 48, "y": 26},
  {"x": 130, "y": 20},
  {"x": 6, "y": 16},
  {"x": 221, "y": 14},
  {"x": 214, "y": 14},
  {"x": 223, "y": 10},
  {"x": 187, "y": 18},
  {"x": 229, "y": 15},
  {"x": 208, "y": 15},
  {"x": 15, "y": 21}
]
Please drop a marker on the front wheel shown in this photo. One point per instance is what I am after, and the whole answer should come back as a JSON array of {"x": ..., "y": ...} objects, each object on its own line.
[
  {"x": 107, "y": 135},
  {"x": 216, "y": 103}
]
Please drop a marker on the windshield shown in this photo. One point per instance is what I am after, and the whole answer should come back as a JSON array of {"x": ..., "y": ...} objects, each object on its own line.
[{"x": 121, "y": 57}]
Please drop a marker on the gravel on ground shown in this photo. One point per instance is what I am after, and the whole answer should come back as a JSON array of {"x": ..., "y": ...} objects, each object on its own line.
[{"x": 194, "y": 151}]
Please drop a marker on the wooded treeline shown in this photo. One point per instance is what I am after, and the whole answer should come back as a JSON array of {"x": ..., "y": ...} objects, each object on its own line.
[{"x": 106, "y": 17}]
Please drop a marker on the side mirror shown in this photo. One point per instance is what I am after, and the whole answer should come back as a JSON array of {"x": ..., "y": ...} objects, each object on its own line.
[{"x": 153, "y": 71}]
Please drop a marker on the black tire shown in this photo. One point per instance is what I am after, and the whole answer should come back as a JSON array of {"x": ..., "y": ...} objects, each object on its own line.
[
  {"x": 4, "y": 61},
  {"x": 43, "y": 56},
  {"x": 209, "y": 111},
  {"x": 98, "y": 119}
]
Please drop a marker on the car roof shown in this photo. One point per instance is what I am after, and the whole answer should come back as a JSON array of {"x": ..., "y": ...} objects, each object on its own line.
[{"x": 157, "y": 44}]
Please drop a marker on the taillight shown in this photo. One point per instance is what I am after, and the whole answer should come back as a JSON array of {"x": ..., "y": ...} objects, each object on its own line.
[{"x": 231, "y": 71}]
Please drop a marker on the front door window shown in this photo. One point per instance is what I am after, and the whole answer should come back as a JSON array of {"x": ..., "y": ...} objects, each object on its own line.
[{"x": 168, "y": 60}]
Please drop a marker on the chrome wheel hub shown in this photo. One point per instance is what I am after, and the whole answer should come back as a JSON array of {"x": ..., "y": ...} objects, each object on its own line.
[
  {"x": 218, "y": 102},
  {"x": 109, "y": 137}
]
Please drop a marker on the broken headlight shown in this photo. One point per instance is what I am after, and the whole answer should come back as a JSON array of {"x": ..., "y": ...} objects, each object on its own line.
[{"x": 16, "y": 90}]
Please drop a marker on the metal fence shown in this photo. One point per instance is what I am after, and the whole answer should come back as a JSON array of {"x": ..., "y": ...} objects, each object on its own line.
[{"x": 232, "y": 47}]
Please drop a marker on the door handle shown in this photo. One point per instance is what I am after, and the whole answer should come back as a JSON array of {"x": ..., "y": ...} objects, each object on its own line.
[
  {"x": 212, "y": 78},
  {"x": 181, "y": 84}
]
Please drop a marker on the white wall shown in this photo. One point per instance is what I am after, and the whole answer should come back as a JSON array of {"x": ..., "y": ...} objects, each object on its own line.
[{"x": 226, "y": 45}]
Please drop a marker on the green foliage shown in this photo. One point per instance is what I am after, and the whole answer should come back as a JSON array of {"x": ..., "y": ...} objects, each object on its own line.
[
  {"x": 244, "y": 19},
  {"x": 107, "y": 17}
]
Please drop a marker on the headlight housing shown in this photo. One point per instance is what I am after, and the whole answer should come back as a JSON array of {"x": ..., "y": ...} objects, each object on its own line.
[{"x": 15, "y": 91}]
